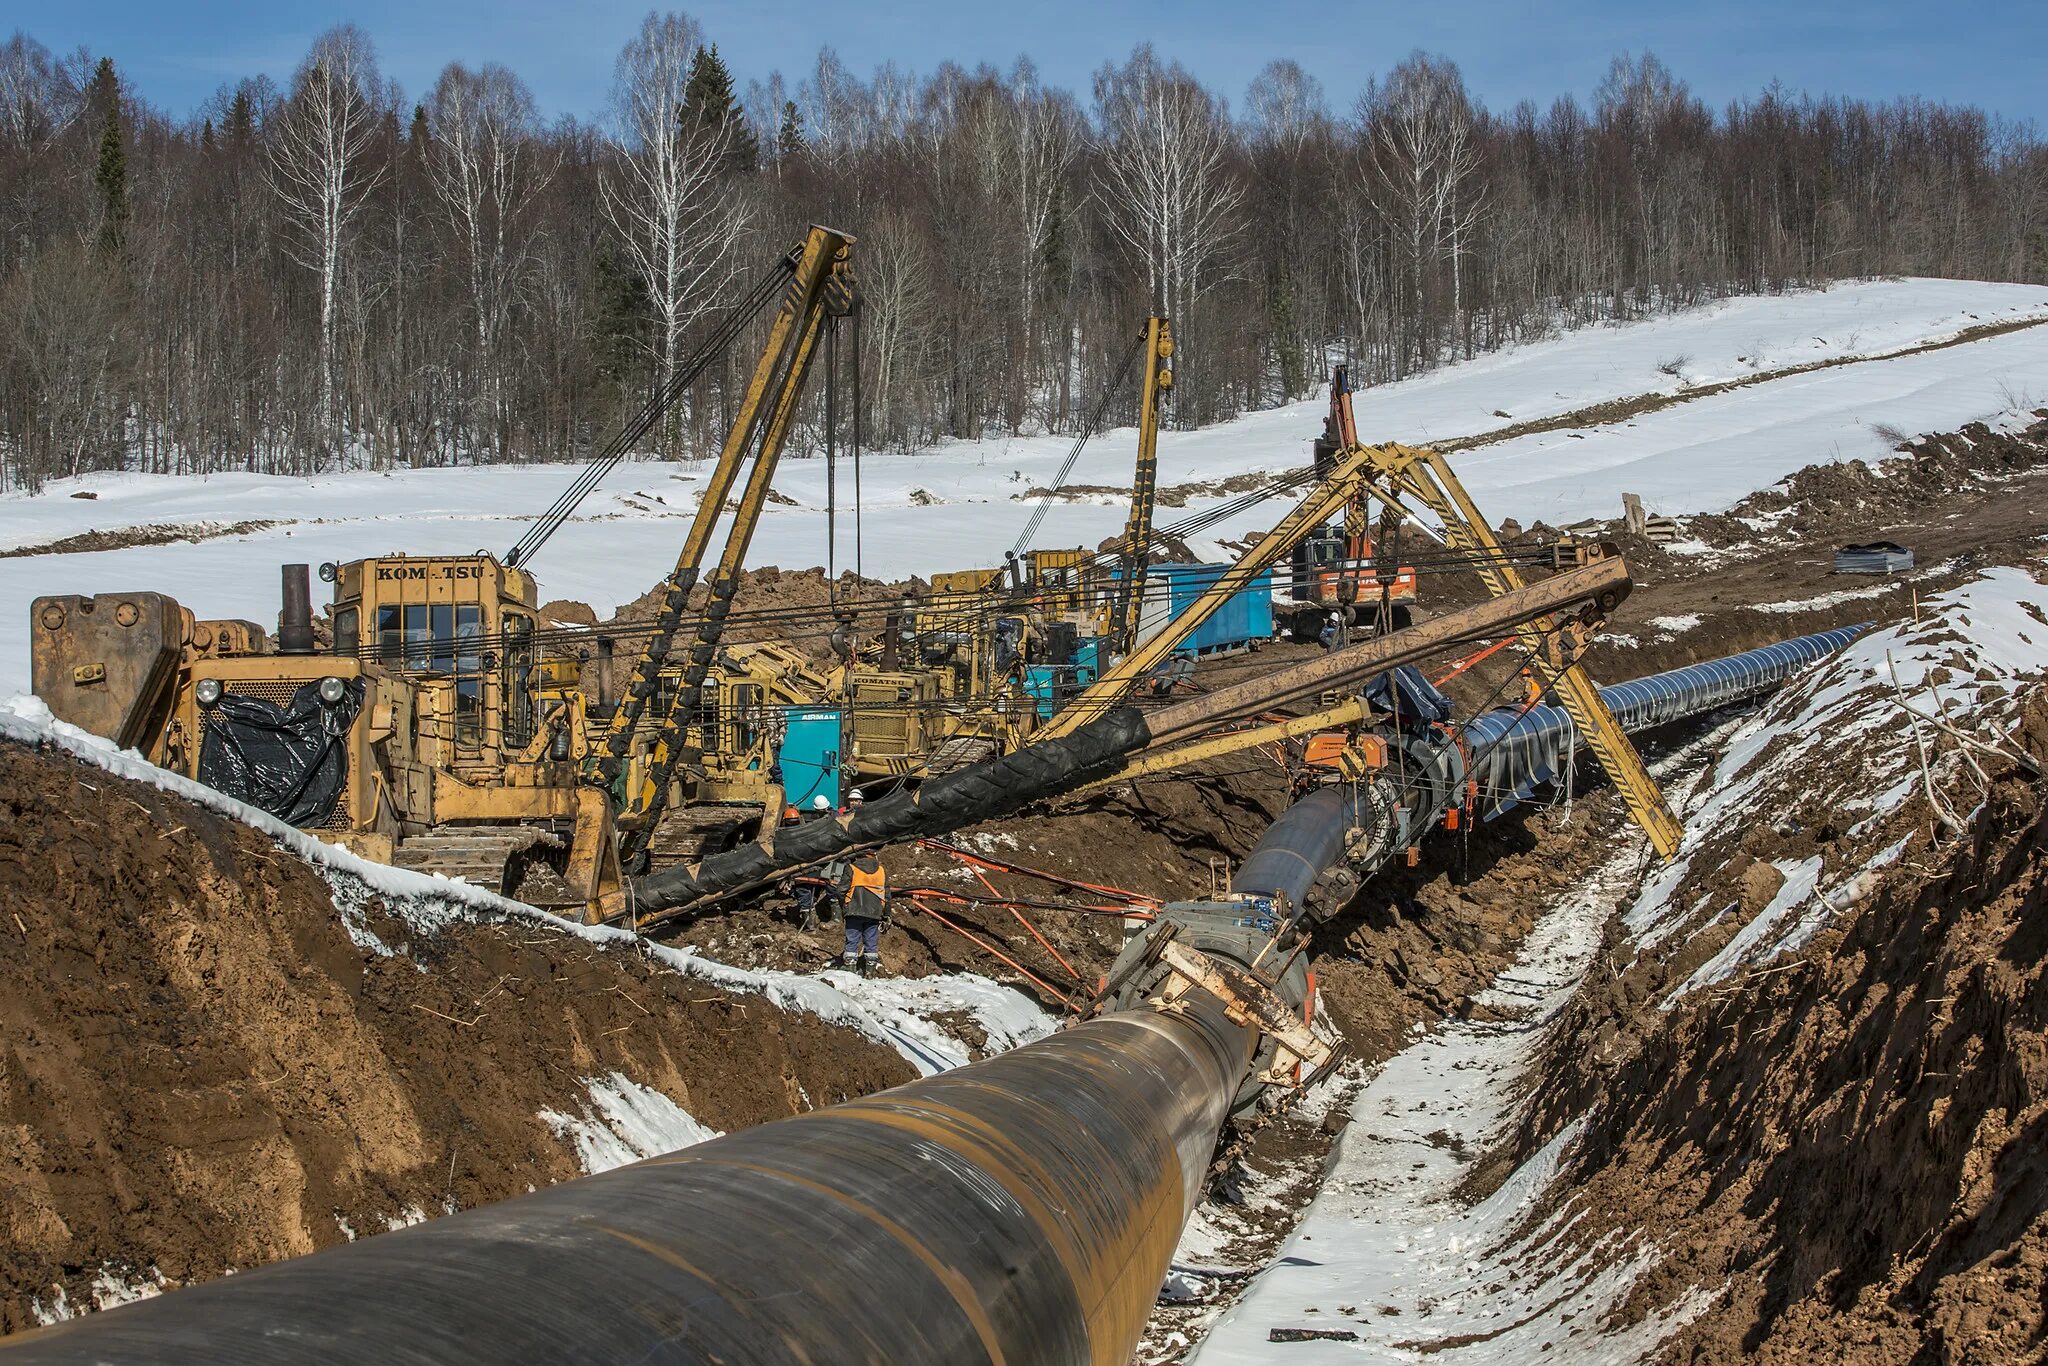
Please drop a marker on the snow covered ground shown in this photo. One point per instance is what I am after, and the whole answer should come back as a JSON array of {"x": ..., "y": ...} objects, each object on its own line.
[
  {"x": 959, "y": 504},
  {"x": 1390, "y": 1264}
]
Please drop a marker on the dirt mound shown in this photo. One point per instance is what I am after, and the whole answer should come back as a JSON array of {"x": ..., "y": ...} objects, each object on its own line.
[
  {"x": 204, "y": 1069},
  {"x": 1840, "y": 1146},
  {"x": 129, "y": 538},
  {"x": 1854, "y": 498}
]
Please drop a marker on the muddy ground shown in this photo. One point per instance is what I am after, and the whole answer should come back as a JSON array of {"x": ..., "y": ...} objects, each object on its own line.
[{"x": 200, "y": 1070}]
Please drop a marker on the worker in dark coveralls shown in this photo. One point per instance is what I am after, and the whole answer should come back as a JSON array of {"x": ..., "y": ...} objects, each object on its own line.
[
  {"x": 864, "y": 902},
  {"x": 814, "y": 887}
]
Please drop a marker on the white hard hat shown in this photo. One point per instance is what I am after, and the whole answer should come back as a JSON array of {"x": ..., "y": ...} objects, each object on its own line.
[
  {"x": 856, "y": 797},
  {"x": 821, "y": 803}
]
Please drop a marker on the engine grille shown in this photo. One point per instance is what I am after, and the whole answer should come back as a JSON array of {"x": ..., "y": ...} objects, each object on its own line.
[{"x": 279, "y": 693}]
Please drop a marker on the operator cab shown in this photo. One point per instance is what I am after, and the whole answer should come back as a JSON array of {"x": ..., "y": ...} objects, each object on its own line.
[{"x": 466, "y": 620}]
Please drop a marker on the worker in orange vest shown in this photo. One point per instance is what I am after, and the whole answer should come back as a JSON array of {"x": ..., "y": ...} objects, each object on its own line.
[{"x": 864, "y": 899}]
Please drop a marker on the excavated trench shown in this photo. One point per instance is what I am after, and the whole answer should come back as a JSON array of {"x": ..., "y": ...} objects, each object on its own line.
[{"x": 205, "y": 1070}]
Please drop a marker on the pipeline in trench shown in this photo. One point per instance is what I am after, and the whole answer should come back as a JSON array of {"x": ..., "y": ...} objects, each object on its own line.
[{"x": 1023, "y": 1208}]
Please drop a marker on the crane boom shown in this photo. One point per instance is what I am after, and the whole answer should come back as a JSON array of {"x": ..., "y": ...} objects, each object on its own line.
[
  {"x": 822, "y": 259},
  {"x": 1137, "y": 542}
]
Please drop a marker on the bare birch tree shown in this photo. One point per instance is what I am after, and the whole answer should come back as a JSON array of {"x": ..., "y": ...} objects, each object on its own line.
[
  {"x": 488, "y": 170},
  {"x": 1418, "y": 127},
  {"x": 677, "y": 216},
  {"x": 321, "y": 170},
  {"x": 1168, "y": 191}
]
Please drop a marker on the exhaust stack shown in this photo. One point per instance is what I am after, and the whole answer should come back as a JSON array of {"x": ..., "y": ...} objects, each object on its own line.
[{"x": 295, "y": 622}]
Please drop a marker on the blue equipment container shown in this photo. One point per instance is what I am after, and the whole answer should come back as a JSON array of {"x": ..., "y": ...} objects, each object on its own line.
[
  {"x": 1245, "y": 619},
  {"x": 809, "y": 756}
]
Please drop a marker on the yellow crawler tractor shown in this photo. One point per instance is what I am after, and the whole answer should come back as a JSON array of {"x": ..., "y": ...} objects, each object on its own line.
[
  {"x": 416, "y": 738},
  {"x": 431, "y": 732}
]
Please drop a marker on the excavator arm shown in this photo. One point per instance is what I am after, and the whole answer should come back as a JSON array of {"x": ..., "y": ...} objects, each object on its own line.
[
  {"x": 820, "y": 271},
  {"x": 821, "y": 287}
]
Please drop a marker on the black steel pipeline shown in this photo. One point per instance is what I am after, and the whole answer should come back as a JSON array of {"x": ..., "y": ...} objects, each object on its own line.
[
  {"x": 1306, "y": 839},
  {"x": 1021, "y": 1209},
  {"x": 1511, "y": 750}
]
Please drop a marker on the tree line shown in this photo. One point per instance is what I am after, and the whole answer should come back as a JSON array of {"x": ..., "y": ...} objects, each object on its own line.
[{"x": 331, "y": 273}]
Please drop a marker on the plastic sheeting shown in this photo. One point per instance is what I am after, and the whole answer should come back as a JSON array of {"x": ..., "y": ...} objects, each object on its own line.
[
  {"x": 1404, "y": 694},
  {"x": 290, "y": 761},
  {"x": 1513, "y": 751}
]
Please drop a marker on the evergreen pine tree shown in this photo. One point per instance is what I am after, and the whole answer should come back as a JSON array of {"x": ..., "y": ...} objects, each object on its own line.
[
  {"x": 416, "y": 136},
  {"x": 789, "y": 138},
  {"x": 110, "y": 176},
  {"x": 708, "y": 103},
  {"x": 241, "y": 120},
  {"x": 624, "y": 319}
]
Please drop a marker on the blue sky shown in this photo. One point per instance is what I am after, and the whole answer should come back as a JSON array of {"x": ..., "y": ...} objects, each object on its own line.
[{"x": 1983, "y": 52}]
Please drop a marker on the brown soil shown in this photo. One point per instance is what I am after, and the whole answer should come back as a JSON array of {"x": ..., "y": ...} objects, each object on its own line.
[
  {"x": 128, "y": 538},
  {"x": 201, "y": 1071},
  {"x": 1848, "y": 1148}
]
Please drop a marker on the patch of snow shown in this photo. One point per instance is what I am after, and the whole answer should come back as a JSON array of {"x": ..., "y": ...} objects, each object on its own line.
[
  {"x": 1389, "y": 1252},
  {"x": 1824, "y": 601},
  {"x": 624, "y": 1123},
  {"x": 109, "y": 1289},
  {"x": 1675, "y": 625}
]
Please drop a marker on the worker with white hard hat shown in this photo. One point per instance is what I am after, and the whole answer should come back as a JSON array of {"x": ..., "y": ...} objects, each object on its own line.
[{"x": 814, "y": 888}]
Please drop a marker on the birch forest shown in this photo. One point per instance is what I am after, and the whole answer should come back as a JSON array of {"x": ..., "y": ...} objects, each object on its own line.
[{"x": 335, "y": 271}]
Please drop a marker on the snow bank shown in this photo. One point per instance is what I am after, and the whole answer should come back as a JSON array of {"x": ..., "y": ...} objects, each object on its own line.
[
  {"x": 625, "y": 1122},
  {"x": 1840, "y": 744},
  {"x": 958, "y": 504}
]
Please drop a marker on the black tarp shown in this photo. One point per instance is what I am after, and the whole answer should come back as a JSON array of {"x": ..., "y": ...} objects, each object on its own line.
[
  {"x": 290, "y": 761},
  {"x": 1407, "y": 696}
]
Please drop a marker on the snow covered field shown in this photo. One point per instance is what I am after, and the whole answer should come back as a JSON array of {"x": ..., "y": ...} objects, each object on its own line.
[{"x": 958, "y": 505}]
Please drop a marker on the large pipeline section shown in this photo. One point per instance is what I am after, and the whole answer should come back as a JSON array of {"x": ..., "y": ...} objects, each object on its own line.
[
  {"x": 1021, "y": 1209},
  {"x": 994, "y": 788},
  {"x": 1506, "y": 753}
]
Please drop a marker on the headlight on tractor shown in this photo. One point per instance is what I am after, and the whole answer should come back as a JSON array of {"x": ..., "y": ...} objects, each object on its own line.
[
  {"x": 332, "y": 690},
  {"x": 207, "y": 691}
]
